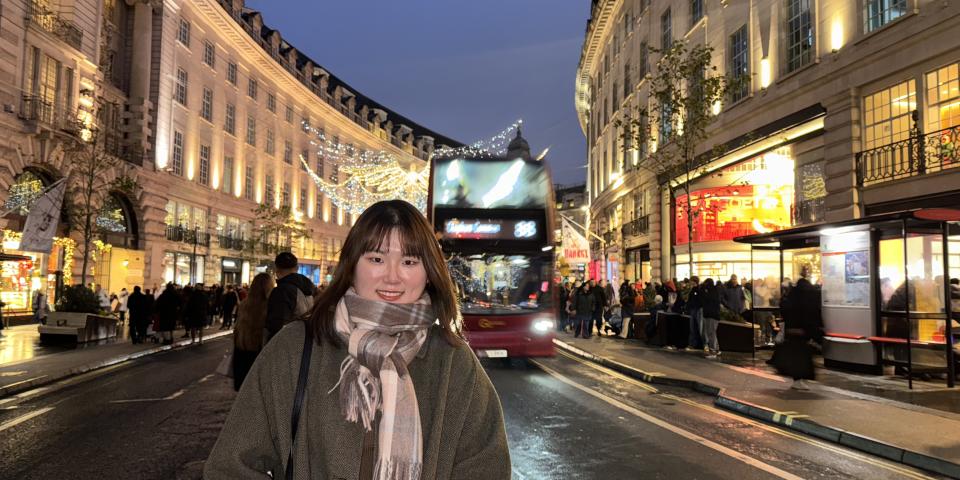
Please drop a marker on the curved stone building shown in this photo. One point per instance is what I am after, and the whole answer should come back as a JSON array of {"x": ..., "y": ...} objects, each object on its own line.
[{"x": 209, "y": 110}]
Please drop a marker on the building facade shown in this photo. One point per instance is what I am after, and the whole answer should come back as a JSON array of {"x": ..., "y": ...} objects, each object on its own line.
[
  {"x": 211, "y": 112},
  {"x": 837, "y": 100}
]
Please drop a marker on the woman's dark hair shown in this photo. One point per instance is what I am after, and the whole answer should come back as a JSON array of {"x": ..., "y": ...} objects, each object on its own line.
[{"x": 370, "y": 233}]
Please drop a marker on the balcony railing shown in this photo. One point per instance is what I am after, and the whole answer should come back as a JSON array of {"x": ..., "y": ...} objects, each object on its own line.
[
  {"x": 52, "y": 23},
  {"x": 639, "y": 226},
  {"x": 230, "y": 243},
  {"x": 188, "y": 235},
  {"x": 920, "y": 154},
  {"x": 608, "y": 237}
]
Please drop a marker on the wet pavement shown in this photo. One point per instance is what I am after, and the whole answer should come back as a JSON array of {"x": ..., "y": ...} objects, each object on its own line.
[{"x": 157, "y": 417}]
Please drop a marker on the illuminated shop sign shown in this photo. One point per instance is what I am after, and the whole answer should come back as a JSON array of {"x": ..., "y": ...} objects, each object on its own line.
[
  {"x": 490, "y": 229},
  {"x": 754, "y": 196}
]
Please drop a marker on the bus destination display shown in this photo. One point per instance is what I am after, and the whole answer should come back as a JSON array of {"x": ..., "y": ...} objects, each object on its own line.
[{"x": 490, "y": 229}]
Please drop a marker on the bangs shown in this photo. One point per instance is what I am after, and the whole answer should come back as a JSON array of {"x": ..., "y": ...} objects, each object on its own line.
[{"x": 379, "y": 240}]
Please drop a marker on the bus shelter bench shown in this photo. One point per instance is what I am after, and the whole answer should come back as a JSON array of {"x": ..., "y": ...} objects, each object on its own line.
[{"x": 925, "y": 357}]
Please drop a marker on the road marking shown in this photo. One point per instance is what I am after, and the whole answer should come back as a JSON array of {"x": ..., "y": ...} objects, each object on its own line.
[
  {"x": 24, "y": 418},
  {"x": 12, "y": 374},
  {"x": 168, "y": 397},
  {"x": 23, "y": 381},
  {"x": 673, "y": 428},
  {"x": 204, "y": 379},
  {"x": 772, "y": 429}
]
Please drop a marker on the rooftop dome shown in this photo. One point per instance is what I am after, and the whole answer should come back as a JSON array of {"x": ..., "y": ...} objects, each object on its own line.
[{"x": 518, "y": 147}]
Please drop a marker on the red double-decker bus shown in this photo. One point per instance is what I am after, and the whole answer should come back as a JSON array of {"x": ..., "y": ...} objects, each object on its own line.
[{"x": 494, "y": 218}]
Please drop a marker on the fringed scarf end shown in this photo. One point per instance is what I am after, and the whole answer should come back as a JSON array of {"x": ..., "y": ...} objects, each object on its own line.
[{"x": 395, "y": 469}]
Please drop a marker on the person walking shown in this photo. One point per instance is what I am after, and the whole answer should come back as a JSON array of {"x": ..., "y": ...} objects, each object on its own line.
[
  {"x": 293, "y": 296},
  {"x": 195, "y": 313},
  {"x": 803, "y": 324},
  {"x": 169, "y": 308},
  {"x": 695, "y": 310},
  {"x": 710, "y": 303},
  {"x": 229, "y": 306},
  {"x": 384, "y": 334},
  {"x": 139, "y": 307},
  {"x": 251, "y": 321},
  {"x": 584, "y": 306}
]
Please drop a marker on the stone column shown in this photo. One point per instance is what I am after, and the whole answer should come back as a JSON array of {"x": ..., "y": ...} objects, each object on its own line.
[{"x": 841, "y": 142}]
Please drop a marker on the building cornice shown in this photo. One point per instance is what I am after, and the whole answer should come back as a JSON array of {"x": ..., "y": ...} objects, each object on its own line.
[{"x": 597, "y": 29}]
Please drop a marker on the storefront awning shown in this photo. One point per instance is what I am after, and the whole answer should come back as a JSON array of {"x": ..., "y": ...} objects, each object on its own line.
[
  {"x": 10, "y": 257},
  {"x": 799, "y": 234}
]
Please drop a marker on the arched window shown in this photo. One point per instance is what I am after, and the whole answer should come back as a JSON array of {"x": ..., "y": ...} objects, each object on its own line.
[
  {"x": 25, "y": 190},
  {"x": 117, "y": 222}
]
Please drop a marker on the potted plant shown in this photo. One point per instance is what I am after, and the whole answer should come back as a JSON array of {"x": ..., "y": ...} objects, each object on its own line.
[{"x": 78, "y": 318}]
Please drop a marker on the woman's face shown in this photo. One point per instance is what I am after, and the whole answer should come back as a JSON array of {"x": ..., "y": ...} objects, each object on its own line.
[{"x": 390, "y": 276}]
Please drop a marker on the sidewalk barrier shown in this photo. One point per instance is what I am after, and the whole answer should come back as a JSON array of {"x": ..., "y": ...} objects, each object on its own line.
[
  {"x": 89, "y": 367},
  {"x": 790, "y": 420}
]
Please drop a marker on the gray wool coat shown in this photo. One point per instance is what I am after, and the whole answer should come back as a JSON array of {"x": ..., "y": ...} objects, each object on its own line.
[{"x": 463, "y": 430}]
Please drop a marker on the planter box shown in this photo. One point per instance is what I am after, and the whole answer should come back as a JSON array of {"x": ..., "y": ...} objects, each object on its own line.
[{"x": 71, "y": 327}]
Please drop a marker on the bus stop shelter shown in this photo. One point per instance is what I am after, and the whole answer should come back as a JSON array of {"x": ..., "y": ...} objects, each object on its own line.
[{"x": 886, "y": 288}]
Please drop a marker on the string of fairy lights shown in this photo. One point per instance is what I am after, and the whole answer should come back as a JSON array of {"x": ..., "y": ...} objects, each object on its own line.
[{"x": 360, "y": 179}]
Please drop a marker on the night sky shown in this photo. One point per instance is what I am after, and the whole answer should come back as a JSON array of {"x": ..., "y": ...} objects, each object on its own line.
[{"x": 465, "y": 69}]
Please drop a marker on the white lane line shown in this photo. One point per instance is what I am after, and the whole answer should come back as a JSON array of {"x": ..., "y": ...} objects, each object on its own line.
[
  {"x": 772, "y": 429},
  {"x": 137, "y": 400},
  {"x": 204, "y": 379},
  {"x": 22, "y": 381},
  {"x": 673, "y": 428},
  {"x": 24, "y": 418}
]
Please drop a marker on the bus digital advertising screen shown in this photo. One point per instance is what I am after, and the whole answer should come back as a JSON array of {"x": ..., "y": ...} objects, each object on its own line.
[
  {"x": 491, "y": 229},
  {"x": 485, "y": 183}
]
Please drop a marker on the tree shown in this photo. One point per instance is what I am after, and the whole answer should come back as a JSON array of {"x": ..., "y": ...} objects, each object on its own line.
[
  {"x": 685, "y": 89},
  {"x": 95, "y": 173},
  {"x": 277, "y": 224}
]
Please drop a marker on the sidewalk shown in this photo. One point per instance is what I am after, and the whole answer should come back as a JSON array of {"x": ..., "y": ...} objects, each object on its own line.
[
  {"x": 25, "y": 364},
  {"x": 924, "y": 434}
]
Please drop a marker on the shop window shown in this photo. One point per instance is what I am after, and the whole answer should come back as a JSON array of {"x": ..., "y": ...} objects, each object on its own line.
[
  {"x": 943, "y": 95},
  {"x": 887, "y": 115}
]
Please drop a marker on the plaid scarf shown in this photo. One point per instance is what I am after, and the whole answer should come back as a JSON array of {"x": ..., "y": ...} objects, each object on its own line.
[{"x": 382, "y": 339}]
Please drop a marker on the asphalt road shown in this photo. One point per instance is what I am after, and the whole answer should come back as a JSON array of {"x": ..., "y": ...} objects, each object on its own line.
[{"x": 158, "y": 417}]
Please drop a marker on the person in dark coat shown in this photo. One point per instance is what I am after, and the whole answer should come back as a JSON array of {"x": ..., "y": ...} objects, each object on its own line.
[
  {"x": 695, "y": 310},
  {"x": 628, "y": 298},
  {"x": 168, "y": 308},
  {"x": 139, "y": 309},
  {"x": 803, "y": 323},
  {"x": 600, "y": 303},
  {"x": 282, "y": 307},
  {"x": 584, "y": 306},
  {"x": 564, "y": 294},
  {"x": 195, "y": 313},
  {"x": 229, "y": 305},
  {"x": 710, "y": 303}
]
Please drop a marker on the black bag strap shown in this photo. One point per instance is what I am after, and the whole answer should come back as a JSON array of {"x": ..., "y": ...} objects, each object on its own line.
[{"x": 298, "y": 400}]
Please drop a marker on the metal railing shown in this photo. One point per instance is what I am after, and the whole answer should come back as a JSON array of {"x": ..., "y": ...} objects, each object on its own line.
[
  {"x": 920, "y": 154},
  {"x": 230, "y": 242},
  {"x": 52, "y": 23},
  {"x": 187, "y": 235},
  {"x": 637, "y": 227}
]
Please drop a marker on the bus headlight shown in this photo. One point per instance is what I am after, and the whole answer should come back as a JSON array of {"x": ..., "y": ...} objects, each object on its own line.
[{"x": 542, "y": 326}]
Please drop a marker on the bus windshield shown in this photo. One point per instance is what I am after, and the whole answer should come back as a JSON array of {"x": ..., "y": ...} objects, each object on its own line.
[
  {"x": 501, "y": 284},
  {"x": 465, "y": 183}
]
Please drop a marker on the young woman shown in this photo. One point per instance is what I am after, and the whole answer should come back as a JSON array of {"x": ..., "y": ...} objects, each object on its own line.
[
  {"x": 251, "y": 320},
  {"x": 393, "y": 392}
]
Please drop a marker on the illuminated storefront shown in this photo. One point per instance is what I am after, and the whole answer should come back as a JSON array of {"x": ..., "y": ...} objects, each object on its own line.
[
  {"x": 20, "y": 278},
  {"x": 753, "y": 196}
]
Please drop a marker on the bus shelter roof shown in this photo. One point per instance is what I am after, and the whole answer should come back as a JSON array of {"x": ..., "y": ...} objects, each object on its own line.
[{"x": 797, "y": 236}]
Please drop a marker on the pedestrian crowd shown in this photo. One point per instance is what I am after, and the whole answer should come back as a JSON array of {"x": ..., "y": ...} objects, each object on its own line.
[{"x": 591, "y": 307}]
